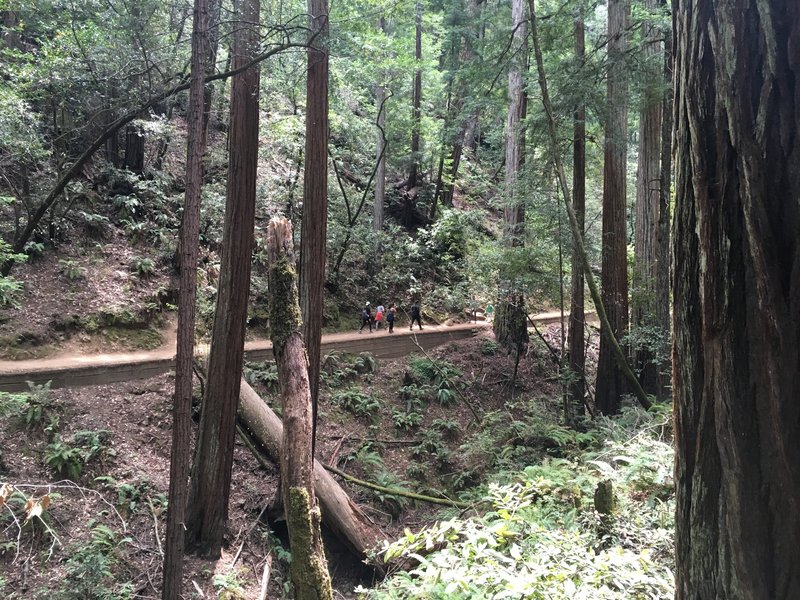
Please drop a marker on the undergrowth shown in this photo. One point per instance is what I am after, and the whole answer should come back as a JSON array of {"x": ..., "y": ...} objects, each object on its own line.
[{"x": 541, "y": 536}]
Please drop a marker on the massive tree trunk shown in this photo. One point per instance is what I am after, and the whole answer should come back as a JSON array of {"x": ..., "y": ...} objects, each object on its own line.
[
  {"x": 134, "y": 149},
  {"x": 662, "y": 272},
  {"x": 380, "y": 149},
  {"x": 340, "y": 514},
  {"x": 189, "y": 241},
  {"x": 610, "y": 380},
  {"x": 416, "y": 102},
  {"x": 309, "y": 569},
  {"x": 315, "y": 193},
  {"x": 577, "y": 315},
  {"x": 648, "y": 187},
  {"x": 510, "y": 323},
  {"x": 213, "y": 460},
  {"x": 736, "y": 290}
]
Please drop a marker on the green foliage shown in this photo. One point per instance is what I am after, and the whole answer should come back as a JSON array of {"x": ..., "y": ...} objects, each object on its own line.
[
  {"x": 539, "y": 538},
  {"x": 131, "y": 495},
  {"x": 489, "y": 347},
  {"x": 69, "y": 459},
  {"x": 265, "y": 373},
  {"x": 437, "y": 373},
  {"x": 95, "y": 225},
  {"x": 142, "y": 267},
  {"x": 39, "y": 408},
  {"x": 10, "y": 288},
  {"x": 357, "y": 402},
  {"x": 229, "y": 586},
  {"x": 339, "y": 368},
  {"x": 406, "y": 420},
  {"x": 71, "y": 269},
  {"x": 91, "y": 570},
  {"x": 449, "y": 428}
]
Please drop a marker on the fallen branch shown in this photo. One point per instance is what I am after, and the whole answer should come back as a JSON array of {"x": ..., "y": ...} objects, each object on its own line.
[{"x": 395, "y": 491}]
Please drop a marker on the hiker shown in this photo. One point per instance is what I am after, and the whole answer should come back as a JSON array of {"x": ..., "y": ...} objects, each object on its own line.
[
  {"x": 390, "y": 317},
  {"x": 489, "y": 312},
  {"x": 415, "y": 316},
  {"x": 366, "y": 317},
  {"x": 379, "y": 316}
]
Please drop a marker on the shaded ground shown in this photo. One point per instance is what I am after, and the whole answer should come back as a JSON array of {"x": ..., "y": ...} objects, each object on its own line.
[{"x": 365, "y": 429}]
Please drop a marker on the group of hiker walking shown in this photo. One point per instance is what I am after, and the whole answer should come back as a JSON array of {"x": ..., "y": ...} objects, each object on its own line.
[{"x": 387, "y": 315}]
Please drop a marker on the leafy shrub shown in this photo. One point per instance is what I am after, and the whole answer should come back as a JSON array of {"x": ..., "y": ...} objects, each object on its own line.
[
  {"x": 142, "y": 267},
  {"x": 90, "y": 570},
  {"x": 94, "y": 224},
  {"x": 357, "y": 402},
  {"x": 71, "y": 269},
  {"x": 264, "y": 373},
  {"x": 436, "y": 373},
  {"x": 489, "y": 347},
  {"x": 406, "y": 420},
  {"x": 68, "y": 459},
  {"x": 449, "y": 428},
  {"x": 34, "y": 249},
  {"x": 539, "y": 540},
  {"x": 10, "y": 290}
]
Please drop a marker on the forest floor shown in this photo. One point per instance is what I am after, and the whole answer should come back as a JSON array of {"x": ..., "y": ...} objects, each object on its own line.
[{"x": 103, "y": 522}]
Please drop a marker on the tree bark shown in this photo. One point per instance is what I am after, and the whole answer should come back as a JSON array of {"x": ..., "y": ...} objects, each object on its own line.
[
  {"x": 213, "y": 460},
  {"x": 134, "y": 149},
  {"x": 313, "y": 242},
  {"x": 736, "y": 289},
  {"x": 514, "y": 213},
  {"x": 309, "y": 569},
  {"x": 416, "y": 102},
  {"x": 663, "y": 238},
  {"x": 510, "y": 323},
  {"x": 610, "y": 381},
  {"x": 573, "y": 220},
  {"x": 577, "y": 314},
  {"x": 380, "y": 150},
  {"x": 648, "y": 187},
  {"x": 339, "y": 513},
  {"x": 189, "y": 241}
]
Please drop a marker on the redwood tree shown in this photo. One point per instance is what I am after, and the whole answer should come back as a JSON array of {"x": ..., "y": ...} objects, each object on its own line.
[
  {"x": 211, "y": 471},
  {"x": 189, "y": 241},
  {"x": 315, "y": 192},
  {"x": 736, "y": 288},
  {"x": 610, "y": 380},
  {"x": 648, "y": 187},
  {"x": 577, "y": 317}
]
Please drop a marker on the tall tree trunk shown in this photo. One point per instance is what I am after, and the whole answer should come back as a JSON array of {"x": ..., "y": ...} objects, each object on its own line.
[
  {"x": 213, "y": 460},
  {"x": 736, "y": 290},
  {"x": 416, "y": 102},
  {"x": 134, "y": 149},
  {"x": 309, "y": 569},
  {"x": 663, "y": 270},
  {"x": 315, "y": 194},
  {"x": 577, "y": 236},
  {"x": 610, "y": 381},
  {"x": 380, "y": 150},
  {"x": 214, "y": 24},
  {"x": 510, "y": 323},
  {"x": 648, "y": 187},
  {"x": 577, "y": 316},
  {"x": 190, "y": 229}
]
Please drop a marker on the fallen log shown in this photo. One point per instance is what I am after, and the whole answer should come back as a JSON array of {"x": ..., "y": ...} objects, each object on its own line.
[{"x": 339, "y": 513}]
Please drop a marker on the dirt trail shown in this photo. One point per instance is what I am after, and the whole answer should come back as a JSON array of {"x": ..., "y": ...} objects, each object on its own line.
[{"x": 76, "y": 369}]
